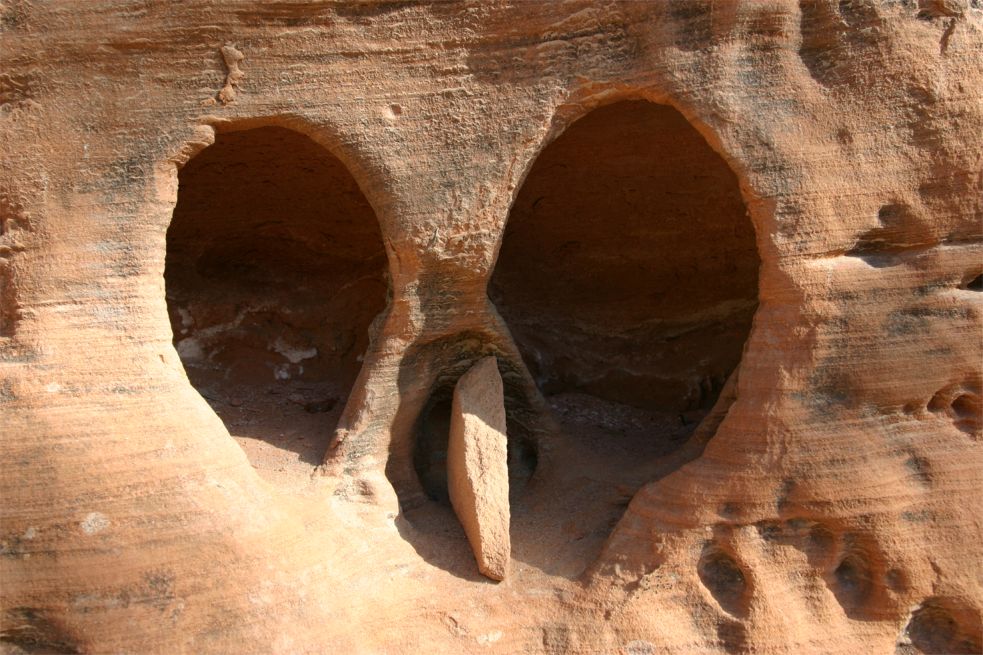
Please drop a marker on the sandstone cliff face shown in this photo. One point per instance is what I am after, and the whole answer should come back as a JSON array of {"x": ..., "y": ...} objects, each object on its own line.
[{"x": 727, "y": 254}]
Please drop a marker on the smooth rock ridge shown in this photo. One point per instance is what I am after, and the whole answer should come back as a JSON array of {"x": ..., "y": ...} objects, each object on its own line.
[{"x": 477, "y": 468}]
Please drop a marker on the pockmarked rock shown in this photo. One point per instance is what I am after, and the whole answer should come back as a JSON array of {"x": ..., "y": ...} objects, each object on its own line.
[
  {"x": 728, "y": 256},
  {"x": 477, "y": 467}
]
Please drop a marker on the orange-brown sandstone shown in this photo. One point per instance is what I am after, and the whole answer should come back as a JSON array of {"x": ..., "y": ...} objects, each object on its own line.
[
  {"x": 727, "y": 255},
  {"x": 477, "y": 466}
]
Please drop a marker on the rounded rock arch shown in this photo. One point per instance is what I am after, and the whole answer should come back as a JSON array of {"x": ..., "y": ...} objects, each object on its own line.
[
  {"x": 577, "y": 111},
  {"x": 314, "y": 225}
]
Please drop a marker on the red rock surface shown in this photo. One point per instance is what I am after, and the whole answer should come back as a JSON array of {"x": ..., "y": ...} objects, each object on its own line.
[{"x": 727, "y": 255}]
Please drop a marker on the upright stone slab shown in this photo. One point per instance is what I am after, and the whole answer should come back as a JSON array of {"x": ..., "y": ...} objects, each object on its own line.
[{"x": 477, "y": 469}]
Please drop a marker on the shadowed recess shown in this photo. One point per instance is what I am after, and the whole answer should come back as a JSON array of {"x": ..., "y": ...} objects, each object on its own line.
[
  {"x": 628, "y": 269},
  {"x": 945, "y": 626},
  {"x": 275, "y": 268},
  {"x": 433, "y": 432},
  {"x": 723, "y": 577},
  {"x": 853, "y": 583}
]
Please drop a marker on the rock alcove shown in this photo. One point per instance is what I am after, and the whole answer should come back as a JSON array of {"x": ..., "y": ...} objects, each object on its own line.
[{"x": 275, "y": 268}]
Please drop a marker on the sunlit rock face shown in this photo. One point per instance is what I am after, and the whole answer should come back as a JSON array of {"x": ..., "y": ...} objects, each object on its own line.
[{"x": 726, "y": 257}]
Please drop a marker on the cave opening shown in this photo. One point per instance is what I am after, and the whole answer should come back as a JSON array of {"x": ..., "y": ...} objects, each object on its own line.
[
  {"x": 432, "y": 432},
  {"x": 275, "y": 269},
  {"x": 628, "y": 278}
]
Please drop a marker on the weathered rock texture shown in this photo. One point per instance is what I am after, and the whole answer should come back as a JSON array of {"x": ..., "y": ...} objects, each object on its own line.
[
  {"x": 227, "y": 165},
  {"x": 477, "y": 474}
]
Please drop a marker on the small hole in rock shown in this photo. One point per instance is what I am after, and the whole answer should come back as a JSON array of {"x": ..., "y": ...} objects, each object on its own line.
[
  {"x": 722, "y": 576},
  {"x": 853, "y": 582},
  {"x": 891, "y": 215},
  {"x": 430, "y": 454},
  {"x": 428, "y": 518},
  {"x": 965, "y": 406},
  {"x": 975, "y": 284},
  {"x": 900, "y": 231},
  {"x": 968, "y": 413},
  {"x": 962, "y": 405},
  {"x": 943, "y": 627}
]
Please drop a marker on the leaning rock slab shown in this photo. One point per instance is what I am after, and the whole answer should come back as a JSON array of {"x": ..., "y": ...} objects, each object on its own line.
[{"x": 477, "y": 469}]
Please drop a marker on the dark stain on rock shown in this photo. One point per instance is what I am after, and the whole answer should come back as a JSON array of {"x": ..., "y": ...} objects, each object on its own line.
[{"x": 34, "y": 631}]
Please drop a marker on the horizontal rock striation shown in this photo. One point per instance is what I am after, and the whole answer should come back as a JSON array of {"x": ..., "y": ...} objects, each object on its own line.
[{"x": 760, "y": 430}]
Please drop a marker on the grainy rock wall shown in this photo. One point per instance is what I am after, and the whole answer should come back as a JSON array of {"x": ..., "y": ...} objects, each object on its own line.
[{"x": 829, "y": 503}]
